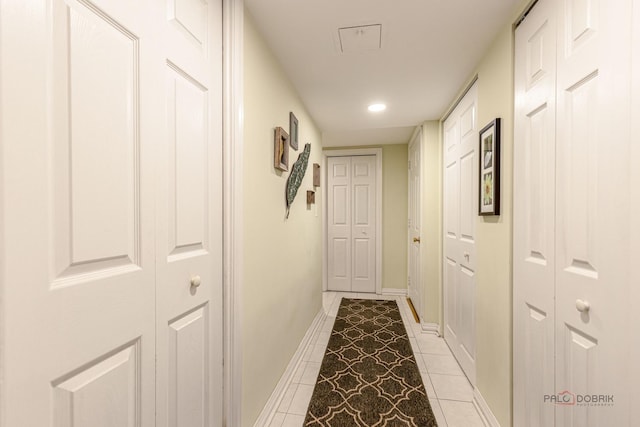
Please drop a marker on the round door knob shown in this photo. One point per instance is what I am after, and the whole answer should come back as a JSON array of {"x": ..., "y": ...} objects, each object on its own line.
[
  {"x": 582, "y": 306},
  {"x": 195, "y": 281}
]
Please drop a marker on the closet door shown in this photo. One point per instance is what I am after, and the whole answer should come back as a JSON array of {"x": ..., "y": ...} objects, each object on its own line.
[
  {"x": 363, "y": 224},
  {"x": 414, "y": 282},
  {"x": 111, "y": 207},
  {"x": 460, "y": 216},
  {"x": 189, "y": 215},
  {"x": 593, "y": 208},
  {"x": 534, "y": 216},
  {"x": 593, "y": 221},
  {"x": 351, "y": 223},
  {"x": 339, "y": 223},
  {"x": 78, "y": 213}
]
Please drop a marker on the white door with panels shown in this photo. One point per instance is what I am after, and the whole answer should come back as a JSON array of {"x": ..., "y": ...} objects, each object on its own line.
[
  {"x": 572, "y": 213},
  {"x": 534, "y": 213},
  {"x": 189, "y": 217},
  {"x": 351, "y": 223},
  {"x": 460, "y": 199},
  {"x": 414, "y": 285},
  {"x": 111, "y": 147}
]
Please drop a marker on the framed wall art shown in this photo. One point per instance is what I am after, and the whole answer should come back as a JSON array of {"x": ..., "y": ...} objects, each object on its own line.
[
  {"x": 316, "y": 175},
  {"x": 293, "y": 131},
  {"x": 281, "y": 149},
  {"x": 490, "y": 169}
]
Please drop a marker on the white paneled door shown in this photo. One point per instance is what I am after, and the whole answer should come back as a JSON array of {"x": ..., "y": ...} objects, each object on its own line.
[
  {"x": 189, "y": 217},
  {"x": 111, "y": 148},
  {"x": 414, "y": 285},
  {"x": 339, "y": 223},
  {"x": 592, "y": 211},
  {"x": 573, "y": 186},
  {"x": 460, "y": 197},
  {"x": 351, "y": 223},
  {"x": 534, "y": 217}
]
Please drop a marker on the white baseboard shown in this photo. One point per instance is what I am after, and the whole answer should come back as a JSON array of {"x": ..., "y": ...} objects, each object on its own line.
[
  {"x": 483, "y": 409},
  {"x": 430, "y": 328},
  {"x": 272, "y": 404},
  {"x": 392, "y": 291}
]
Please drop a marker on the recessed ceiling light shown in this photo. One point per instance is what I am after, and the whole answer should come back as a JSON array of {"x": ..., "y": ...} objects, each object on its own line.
[{"x": 376, "y": 108}]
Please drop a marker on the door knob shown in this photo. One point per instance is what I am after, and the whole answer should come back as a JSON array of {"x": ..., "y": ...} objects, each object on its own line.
[
  {"x": 582, "y": 306},
  {"x": 416, "y": 240},
  {"x": 195, "y": 281}
]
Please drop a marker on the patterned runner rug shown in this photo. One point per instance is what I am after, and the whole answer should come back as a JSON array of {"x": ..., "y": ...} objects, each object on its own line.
[{"x": 369, "y": 376}]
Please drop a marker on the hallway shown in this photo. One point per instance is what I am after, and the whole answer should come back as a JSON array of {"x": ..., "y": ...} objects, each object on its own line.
[
  {"x": 450, "y": 394},
  {"x": 157, "y": 270}
]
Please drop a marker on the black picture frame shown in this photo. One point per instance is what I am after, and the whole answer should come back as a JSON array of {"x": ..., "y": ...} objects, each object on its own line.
[
  {"x": 293, "y": 131},
  {"x": 489, "y": 171}
]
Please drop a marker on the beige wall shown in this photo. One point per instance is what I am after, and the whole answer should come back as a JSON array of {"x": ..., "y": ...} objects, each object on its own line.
[
  {"x": 282, "y": 258},
  {"x": 431, "y": 228},
  {"x": 494, "y": 234},
  {"x": 394, "y": 213}
]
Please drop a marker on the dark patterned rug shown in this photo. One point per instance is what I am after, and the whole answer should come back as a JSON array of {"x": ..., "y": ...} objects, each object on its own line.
[{"x": 369, "y": 376}]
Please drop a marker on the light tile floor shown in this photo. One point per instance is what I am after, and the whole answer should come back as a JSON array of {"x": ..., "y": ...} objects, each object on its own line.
[{"x": 450, "y": 394}]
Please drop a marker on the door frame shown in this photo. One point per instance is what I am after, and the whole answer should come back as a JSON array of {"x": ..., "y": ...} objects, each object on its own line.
[
  {"x": 232, "y": 206},
  {"x": 332, "y": 152}
]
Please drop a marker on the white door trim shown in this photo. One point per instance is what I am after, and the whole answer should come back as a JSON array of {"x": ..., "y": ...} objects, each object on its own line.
[
  {"x": 232, "y": 147},
  {"x": 345, "y": 153}
]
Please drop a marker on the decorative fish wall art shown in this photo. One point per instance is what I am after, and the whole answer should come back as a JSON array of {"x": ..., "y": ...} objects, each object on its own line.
[{"x": 297, "y": 174}]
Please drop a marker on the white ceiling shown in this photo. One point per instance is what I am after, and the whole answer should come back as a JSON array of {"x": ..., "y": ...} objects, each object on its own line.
[{"x": 428, "y": 49}]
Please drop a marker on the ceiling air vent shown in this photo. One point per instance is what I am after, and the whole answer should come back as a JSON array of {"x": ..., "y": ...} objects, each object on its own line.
[{"x": 361, "y": 38}]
